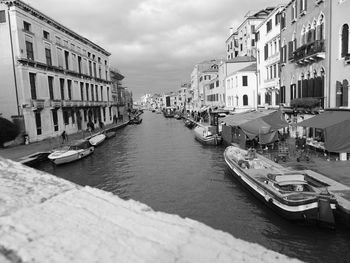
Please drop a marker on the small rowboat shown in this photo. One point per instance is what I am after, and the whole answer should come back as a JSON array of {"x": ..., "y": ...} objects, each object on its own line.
[{"x": 97, "y": 139}]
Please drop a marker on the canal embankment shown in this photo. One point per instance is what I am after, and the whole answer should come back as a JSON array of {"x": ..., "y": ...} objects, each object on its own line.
[
  {"x": 47, "y": 219},
  {"x": 22, "y": 153}
]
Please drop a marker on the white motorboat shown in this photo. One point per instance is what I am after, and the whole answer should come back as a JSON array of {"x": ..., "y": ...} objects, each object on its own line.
[
  {"x": 77, "y": 150},
  {"x": 97, "y": 139},
  {"x": 207, "y": 135}
]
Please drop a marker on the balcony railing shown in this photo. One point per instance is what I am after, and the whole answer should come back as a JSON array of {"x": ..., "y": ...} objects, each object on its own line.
[
  {"x": 310, "y": 52},
  {"x": 38, "y": 104},
  {"x": 56, "y": 103},
  {"x": 67, "y": 103}
]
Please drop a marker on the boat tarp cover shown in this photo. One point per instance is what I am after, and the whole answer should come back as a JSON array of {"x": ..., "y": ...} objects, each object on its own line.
[
  {"x": 263, "y": 124},
  {"x": 336, "y": 127}
]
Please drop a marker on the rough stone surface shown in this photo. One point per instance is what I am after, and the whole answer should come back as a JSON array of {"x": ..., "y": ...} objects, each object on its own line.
[{"x": 47, "y": 219}]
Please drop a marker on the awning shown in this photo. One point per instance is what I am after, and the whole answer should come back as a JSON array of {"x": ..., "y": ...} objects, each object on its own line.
[
  {"x": 257, "y": 123},
  {"x": 336, "y": 127}
]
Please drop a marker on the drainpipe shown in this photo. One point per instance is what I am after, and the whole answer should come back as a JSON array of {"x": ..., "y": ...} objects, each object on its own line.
[
  {"x": 329, "y": 56},
  {"x": 13, "y": 60}
]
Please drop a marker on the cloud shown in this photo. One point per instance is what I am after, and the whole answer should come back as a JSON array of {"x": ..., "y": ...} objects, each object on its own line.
[{"x": 154, "y": 43}]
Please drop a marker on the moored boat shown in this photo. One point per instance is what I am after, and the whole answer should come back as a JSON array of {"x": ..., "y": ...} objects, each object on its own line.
[
  {"x": 77, "y": 150},
  {"x": 292, "y": 194},
  {"x": 97, "y": 139},
  {"x": 110, "y": 134},
  {"x": 207, "y": 135}
]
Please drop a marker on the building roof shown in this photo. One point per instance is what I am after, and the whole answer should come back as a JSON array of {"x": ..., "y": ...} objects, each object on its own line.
[
  {"x": 53, "y": 23},
  {"x": 251, "y": 67},
  {"x": 239, "y": 59}
]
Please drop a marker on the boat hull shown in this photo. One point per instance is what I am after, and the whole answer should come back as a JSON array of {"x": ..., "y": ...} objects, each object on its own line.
[
  {"x": 97, "y": 139},
  {"x": 74, "y": 156},
  {"x": 209, "y": 140},
  {"x": 304, "y": 211}
]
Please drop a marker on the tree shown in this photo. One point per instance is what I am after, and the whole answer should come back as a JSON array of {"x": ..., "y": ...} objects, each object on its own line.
[{"x": 8, "y": 131}]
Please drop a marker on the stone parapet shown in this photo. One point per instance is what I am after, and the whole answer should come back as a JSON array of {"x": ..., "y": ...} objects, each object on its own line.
[{"x": 47, "y": 219}]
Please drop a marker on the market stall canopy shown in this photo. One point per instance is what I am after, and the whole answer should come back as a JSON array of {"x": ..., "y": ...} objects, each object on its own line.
[
  {"x": 336, "y": 127},
  {"x": 264, "y": 124}
]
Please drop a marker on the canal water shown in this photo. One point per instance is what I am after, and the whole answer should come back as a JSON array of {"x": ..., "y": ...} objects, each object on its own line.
[{"x": 160, "y": 164}]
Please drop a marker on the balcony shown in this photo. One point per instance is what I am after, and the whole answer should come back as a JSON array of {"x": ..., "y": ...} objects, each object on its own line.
[
  {"x": 310, "y": 52},
  {"x": 66, "y": 103},
  {"x": 55, "y": 104},
  {"x": 38, "y": 104}
]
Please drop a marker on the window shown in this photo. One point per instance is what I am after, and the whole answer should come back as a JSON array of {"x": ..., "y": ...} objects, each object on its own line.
[
  {"x": 101, "y": 93},
  {"x": 92, "y": 92},
  {"x": 245, "y": 81},
  {"x": 96, "y": 92},
  {"x": 48, "y": 56},
  {"x": 65, "y": 117},
  {"x": 26, "y": 26},
  {"x": 81, "y": 90},
  {"x": 302, "y": 6},
  {"x": 32, "y": 80},
  {"x": 87, "y": 91},
  {"x": 38, "y": 122},
  {"x": 50, "y": 81},
  {"x": 62, "y": 88},
  {"x": 268, "y": 26},
  {"x": 73, "y": 116},
  {"x": 95, "y": 72},
  {"x": 90, "y": 68},
  {"x": 79, "y": 64},
  {"x": 2, "y": 16},
  {"x": 59, "y": 58},
  {"x": 245, "y": 100},
  {"x": 66, "y": 59},
  {"x": 69, "y": 85},
  {"x": 55, "y": 120},
  {"x": 294, "y": 12},
  {"x": 29, "y": 49},
  {"x": 345, "y": 40},
  {"x": 46, "y": 35}
]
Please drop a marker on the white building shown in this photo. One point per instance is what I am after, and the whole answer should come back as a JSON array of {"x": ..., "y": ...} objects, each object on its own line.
[
  {"x": 241, "y": 42},
  {"x": 268, "y": 59},
  {"x": 241, "y": 89},
  {"x": 52, "y": 79}
]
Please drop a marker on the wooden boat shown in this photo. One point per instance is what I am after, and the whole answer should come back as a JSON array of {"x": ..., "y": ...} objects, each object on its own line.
[
  {"x": 169, "y": 112},
  {"x": 135, "y": 121},
  {"x": 293, "y": 194},
  {"x": 190, "y": 124},
  {"x": 207, "y": 135},
  {"x": 77, "y": 150},
  {"x": 97, "y": 139},
  {"x": 110, "y": 134}
]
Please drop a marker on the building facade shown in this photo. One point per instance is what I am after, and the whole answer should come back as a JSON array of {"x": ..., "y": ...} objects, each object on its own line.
[
  {"x": 340, "y": 53},
  {"x": 304, "y": 56},
  {"x": 241, "y": 89},
  {"x": 241, "y": 42},
  {"x": 268, "y": 59},
  {"x": 53, "y": 79}
]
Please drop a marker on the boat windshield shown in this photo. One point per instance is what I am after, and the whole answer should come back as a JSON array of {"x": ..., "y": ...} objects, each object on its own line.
[{"x": 294, "y": 187}]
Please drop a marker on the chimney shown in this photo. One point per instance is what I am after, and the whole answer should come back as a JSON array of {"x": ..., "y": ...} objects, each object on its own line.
[{"x": 231, "y": 31}]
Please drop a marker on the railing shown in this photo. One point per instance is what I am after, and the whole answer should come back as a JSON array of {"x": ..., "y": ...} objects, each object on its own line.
[
  {"x": 38, "y": 103},
  {"x": 66, "y": 103},
  {"x": 309, "y": 50},
  {"x": 56, "y": 103}
]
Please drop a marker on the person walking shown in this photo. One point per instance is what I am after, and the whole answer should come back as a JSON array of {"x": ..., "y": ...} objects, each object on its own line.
[{"x": 64, "y": 137}]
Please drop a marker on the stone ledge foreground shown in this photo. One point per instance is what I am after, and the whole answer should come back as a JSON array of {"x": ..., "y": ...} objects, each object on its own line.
[{"x": 48, "y": 219}]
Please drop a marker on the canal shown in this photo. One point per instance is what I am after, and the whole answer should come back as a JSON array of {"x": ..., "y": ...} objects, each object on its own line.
[{"x": 160, "y": 164}]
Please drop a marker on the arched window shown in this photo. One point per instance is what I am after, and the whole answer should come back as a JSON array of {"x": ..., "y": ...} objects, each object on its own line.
[
  {"x": 320, "y": 34},
  {"x": 245, "y": 100},
  {"x": 313, "y": 30},
  {"x": 345, "y": 40},
  {"x": 309, "y": 33}
]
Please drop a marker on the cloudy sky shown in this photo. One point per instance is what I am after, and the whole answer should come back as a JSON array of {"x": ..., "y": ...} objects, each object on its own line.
[{"x": 154, "y": 43}]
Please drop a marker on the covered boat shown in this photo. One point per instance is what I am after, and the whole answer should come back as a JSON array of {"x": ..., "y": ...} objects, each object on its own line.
[
  {"x": 77, "y": 150},
  {"x": 292, "y": 194},
  {"x": 97, "y": 139},
  {"x": 207, "y": 135}
]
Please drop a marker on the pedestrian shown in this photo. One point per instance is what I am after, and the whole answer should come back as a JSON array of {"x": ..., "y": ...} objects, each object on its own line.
[{"x": 64, "y": 137}]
